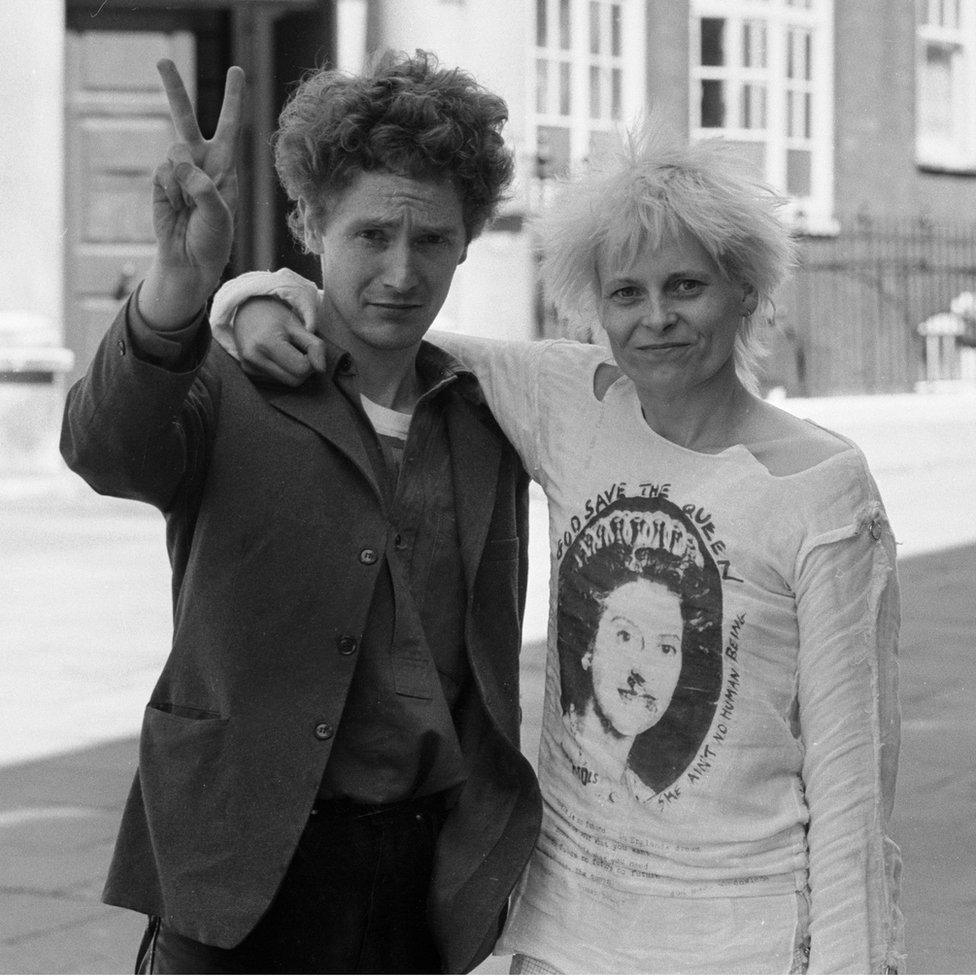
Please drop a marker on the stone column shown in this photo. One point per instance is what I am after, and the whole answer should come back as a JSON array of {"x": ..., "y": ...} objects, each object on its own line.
[{"x": 32, "y": 223}]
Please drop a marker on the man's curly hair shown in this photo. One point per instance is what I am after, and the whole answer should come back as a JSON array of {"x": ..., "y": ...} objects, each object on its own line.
[{"x": 406, "y": 116}]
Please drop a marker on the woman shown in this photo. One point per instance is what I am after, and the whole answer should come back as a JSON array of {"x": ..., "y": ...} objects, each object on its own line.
[{"x": 756, "y": 838}]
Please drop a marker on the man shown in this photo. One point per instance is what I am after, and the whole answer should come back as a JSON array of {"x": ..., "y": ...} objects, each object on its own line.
[{"x": 329, "y": 776}]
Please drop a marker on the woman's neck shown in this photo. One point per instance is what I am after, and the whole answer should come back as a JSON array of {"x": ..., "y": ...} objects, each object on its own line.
[{"x": 707, "y": 418}]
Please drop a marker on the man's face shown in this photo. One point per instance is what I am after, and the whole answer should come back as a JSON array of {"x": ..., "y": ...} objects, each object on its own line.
[{"x": 390, "y": 246}]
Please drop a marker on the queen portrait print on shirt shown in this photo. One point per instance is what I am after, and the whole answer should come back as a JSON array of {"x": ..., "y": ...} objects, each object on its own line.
[{"x": 639, "y": 638}]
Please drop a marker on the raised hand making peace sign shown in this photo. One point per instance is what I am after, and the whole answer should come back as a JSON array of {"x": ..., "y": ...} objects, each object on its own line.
[{"x": 194, "y": 199}]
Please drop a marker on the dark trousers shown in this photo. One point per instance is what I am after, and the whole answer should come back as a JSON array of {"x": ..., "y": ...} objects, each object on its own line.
[{"x": 354, "y": 900}]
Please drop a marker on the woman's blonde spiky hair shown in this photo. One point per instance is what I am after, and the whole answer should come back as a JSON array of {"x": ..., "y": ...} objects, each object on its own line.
[{"x": 656, "y": 185}]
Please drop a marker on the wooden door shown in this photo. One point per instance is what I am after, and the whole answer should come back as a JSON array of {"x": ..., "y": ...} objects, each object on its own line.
[{"x": 118, "y": 130}]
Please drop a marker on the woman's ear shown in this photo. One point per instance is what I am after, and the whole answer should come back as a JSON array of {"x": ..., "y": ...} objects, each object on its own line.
[
  {"x": 586, "y": 662},
  {"x": 750, "y": 301}
]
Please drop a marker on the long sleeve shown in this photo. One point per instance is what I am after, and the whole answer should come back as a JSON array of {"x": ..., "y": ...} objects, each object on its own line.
[
  {"x": 508, "y": 373},
  {"x": 848, "y": 614},
  {"x": 135, "y": 425}
]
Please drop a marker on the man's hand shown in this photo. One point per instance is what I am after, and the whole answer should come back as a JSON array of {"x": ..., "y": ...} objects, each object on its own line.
[{"x": 194, "y": 199}]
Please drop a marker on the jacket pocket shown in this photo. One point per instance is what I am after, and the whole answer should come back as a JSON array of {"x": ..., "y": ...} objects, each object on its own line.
[
  {"x": 497, "y": 550},
  {"x": 184, "y": 711},
  {"x": 188, "y": 787}
]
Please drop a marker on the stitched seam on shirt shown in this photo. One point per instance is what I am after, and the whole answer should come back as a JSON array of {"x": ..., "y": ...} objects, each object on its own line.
[{"x": 881, "y": 571}]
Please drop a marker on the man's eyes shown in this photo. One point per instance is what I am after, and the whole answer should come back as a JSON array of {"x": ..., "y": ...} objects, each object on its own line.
[
  {"x": 375, "y": 235},
  {"x": 432, "y": 240}
]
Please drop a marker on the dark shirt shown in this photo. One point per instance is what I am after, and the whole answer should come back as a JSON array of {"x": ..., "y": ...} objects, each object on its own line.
[{"x": 397, "y": 736}]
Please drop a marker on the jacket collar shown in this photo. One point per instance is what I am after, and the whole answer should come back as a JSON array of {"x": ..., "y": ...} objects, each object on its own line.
[
  {"x": 437, "y": 368},
  {"x": 473, "y": 437}
]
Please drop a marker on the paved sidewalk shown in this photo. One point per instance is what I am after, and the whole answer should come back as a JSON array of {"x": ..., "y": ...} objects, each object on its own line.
[{"x": 58, "y": 816}]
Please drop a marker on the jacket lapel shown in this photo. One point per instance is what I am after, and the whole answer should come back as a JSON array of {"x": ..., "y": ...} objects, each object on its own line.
[
  {"x": 320, "y": 406},
  {"x": 475, "y": 457}
]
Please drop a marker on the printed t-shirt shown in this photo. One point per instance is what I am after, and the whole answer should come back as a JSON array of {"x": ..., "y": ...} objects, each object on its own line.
[{"x": 720, "y": 725}]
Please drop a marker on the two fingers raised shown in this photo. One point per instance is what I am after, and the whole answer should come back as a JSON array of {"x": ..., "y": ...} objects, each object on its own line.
[{"x": 181, "y": 108}]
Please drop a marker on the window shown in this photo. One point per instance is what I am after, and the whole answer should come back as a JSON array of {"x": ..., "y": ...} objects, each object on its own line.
[
  {"x": 762, "y": 77},
  {"x": 946, "y": 84},
  {"x": 587, "y": 69}
]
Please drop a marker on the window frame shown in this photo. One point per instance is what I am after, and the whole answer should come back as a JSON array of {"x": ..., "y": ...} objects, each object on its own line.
[
  {"x": 955, "y": 153},
  {"x": 578, "y": 60},
  {"x": 812, "y": 212}
]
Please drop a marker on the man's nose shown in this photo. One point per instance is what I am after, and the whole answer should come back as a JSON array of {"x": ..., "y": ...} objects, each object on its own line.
[{"x": 400, "y": 272}]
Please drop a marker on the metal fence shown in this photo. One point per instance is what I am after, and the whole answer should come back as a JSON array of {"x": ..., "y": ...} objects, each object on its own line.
[{"x": 850, "y": 320}]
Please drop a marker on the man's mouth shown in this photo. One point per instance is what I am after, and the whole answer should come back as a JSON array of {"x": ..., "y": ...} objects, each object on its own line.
[{"x": 396, "y": 306}]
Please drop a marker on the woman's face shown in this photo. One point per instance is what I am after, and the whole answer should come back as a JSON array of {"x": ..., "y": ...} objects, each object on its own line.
[
  {"x": 636, "y": 656},
  {"x": 671, "y": 315}
]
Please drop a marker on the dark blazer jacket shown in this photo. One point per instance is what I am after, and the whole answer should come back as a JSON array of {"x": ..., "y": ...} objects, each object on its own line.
[{"x": 271, "y": 507}]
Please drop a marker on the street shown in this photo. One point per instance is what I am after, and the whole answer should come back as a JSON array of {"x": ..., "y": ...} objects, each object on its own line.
[{"x": 86, "y": 624}]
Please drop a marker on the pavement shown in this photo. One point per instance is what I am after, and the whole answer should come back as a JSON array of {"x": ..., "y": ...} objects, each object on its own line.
[{"x": 85, "y": 624}]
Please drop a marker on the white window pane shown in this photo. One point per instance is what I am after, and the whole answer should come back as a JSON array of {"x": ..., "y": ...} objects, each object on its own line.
[
  {"x": 542, "y": 86},
  {"x": 794, "y": 55},
  {"x": 936, "y": 90},
  {"x": 616, "y": 93},
  {"x": 754, "y": 53},
  {"x": 541, "y": 23},
  {"x": 594, "y": 27},
  {"x": 753, "y": 110},
  {"x": 595, "y": 100},
  {"x": 565, "y": 25},
  {"x": 565, "y": 80},
  {"x": 553, "y": 143},
  {"x": 615, "y": 28},
  {"x": 799, "y": 54},
  {"x": 754, "y": 153},
  {"x": 798, "y": 107},
  {"x": 798, "y": 173},
  {"x": 602, "y": 143}
]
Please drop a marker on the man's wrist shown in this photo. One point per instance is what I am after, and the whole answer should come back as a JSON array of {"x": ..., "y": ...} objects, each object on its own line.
[{"x": 170, "y": 300}]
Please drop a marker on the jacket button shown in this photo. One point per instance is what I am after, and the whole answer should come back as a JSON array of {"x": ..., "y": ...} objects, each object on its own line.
[
  {"x": 324, "y": 731},
  {"x": 368, "y": 556},
  {"x": 347, "y": 644},
  {"x": 398, "y": 542},
  {"x": 121, "y": 346}
]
